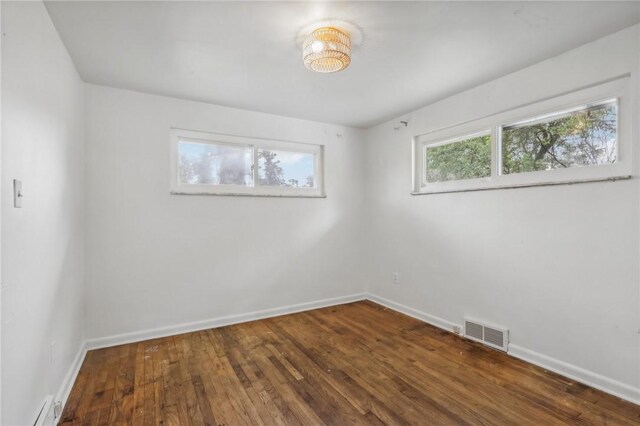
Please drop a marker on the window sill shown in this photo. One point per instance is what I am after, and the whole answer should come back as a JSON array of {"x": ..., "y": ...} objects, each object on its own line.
[
  {"x": 522, "y": 185},
  {"x": 226, "y": 194}
]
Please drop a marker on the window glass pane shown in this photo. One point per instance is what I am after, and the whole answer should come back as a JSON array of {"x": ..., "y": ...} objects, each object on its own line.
[
  {"x": 581, "y": 138},
  {"x": 211, "y": 164},
  {"x": 285, "y": 168},
  {"x": 465, "y": 159}
]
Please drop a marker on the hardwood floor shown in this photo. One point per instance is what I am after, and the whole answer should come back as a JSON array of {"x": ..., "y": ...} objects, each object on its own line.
[{"x": 358, "y": 363}]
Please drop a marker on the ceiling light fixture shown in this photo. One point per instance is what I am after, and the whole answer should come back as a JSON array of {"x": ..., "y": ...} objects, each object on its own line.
[{"x": 327, "y": 49}]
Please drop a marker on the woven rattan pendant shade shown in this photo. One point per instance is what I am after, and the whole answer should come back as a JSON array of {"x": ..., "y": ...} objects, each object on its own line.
[{"x": 327, "y": 50}]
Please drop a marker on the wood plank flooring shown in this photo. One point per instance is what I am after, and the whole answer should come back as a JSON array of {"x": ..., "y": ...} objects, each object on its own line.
[{"x": 353, "y": 364}]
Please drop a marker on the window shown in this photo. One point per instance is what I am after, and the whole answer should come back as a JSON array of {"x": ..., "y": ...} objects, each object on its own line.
[
  {"x": 581, "y": 136},
  {"x": 214, "y": 164},
  {"x": 464, "y": 158},
  {"x": 286, "y": 169},
  {"x": 207, "y": 163}
]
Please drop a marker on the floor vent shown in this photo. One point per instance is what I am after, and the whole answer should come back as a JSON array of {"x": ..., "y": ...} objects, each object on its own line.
[{"x": 496, "y": 337}]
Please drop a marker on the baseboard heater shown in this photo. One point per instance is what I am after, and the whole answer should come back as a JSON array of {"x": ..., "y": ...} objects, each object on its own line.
[
  {"x": 47, "y": 414},
  {"x": 490, "y": 335}
]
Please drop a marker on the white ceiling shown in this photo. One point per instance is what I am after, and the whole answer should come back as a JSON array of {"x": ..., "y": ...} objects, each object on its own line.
[{"x": 245, "y": 54}]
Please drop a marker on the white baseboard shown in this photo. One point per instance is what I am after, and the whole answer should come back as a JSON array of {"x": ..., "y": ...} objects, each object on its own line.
[
  {"x": 72, "y": 374},
  {"x": 578, "y": 374},
  {"x": 138, "y": 336},
  {"x": 595, "y": 380},
  {"x": 121, "y": 339},
  {"x": 422, "y": 316}
]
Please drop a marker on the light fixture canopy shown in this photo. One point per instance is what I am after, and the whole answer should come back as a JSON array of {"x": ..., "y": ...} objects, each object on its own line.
[{"x": 326, "y": 50}]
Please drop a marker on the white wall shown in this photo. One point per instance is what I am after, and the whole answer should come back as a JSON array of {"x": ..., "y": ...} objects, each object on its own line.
[
  {"x": 0, "y": 215},
  {"x": 558, "y": 266},
  {"x": 42, "y": 243},
  {"x": 156, "y": 259}
]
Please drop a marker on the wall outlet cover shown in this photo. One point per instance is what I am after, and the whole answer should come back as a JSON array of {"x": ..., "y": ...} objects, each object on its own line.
[{"x": 17, "y": 193}]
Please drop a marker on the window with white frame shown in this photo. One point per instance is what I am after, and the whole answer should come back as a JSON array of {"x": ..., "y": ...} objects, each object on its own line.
[
  {"x": 209, "y": 163},
  {"x": 585, "y": 136},
  {"x": 581, "y": 136},
  {"x": 466, "y": 157}
]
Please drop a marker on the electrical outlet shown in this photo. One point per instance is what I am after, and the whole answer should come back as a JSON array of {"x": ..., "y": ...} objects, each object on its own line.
[
  {"x": 396, "y": 278},
  {"x": 17, "y": 193}
]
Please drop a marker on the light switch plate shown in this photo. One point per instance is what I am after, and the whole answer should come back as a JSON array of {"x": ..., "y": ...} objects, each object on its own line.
[{"x": 17, "y": 193}]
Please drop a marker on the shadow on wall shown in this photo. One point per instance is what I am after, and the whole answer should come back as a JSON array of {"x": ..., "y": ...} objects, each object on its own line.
[
  {"x": 288, "y": 249},
  {"x": 52, "y": 306},
  {"x": 519, "y": 259}
]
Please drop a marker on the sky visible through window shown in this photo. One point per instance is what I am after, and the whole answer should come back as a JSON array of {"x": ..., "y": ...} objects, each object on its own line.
[
  {"x": 215, "y": 164},
  {"x": 285, "y": 168},
  {"x": 296, "y": 165},
  {"x": 220, "y": 164}
]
